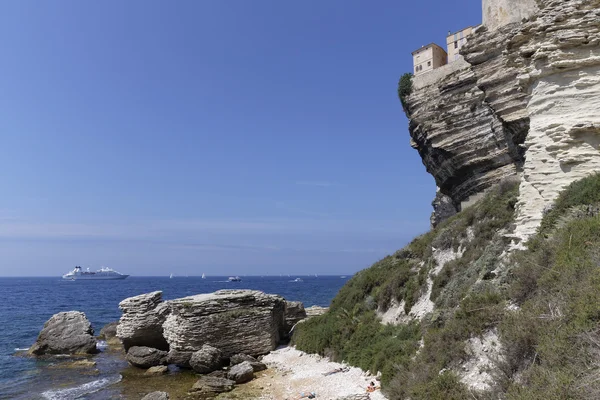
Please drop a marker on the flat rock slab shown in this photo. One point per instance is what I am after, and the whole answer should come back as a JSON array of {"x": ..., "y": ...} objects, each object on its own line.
[
  {"x": 156, "y": 396},
  {"x": 157, "y": 370},
  {"x": 212, "y": 385},
  {"x": 66, "y": 333},
  {"x": 142, "y": 320}
]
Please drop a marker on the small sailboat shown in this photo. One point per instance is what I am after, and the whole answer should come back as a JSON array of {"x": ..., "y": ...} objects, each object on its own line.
[
  {"x": 203, "y": 276},
  {"x": 171, "y": 276}
]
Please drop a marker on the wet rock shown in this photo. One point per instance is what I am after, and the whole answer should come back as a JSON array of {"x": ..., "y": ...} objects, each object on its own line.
[
  {"x": 157, "y": 370},
  {"x": 65, "y": 333},
  {"x": 156, "y": 396},
  {"x": 142, "y": 321},
  {"x": 146, "y": 357},
  {"x": 108, "y": 331},
  {"x": 206, "y": 360},
  {"x": 241, "y": 373},
  {"x": 234, "y": 321},
  {"x": 210, "y": 385}
]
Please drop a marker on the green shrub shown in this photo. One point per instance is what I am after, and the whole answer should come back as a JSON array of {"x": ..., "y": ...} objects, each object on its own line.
[
  {"x": 583, "y": 192},
  {"x": 405, "y": 89}
]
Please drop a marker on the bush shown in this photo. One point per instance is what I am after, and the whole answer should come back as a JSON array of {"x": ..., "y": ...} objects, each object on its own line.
[{"x": 405, "y": 89}]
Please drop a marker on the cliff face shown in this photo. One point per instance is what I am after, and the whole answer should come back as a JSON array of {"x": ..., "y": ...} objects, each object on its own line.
[{"x": 525, "y": 102}]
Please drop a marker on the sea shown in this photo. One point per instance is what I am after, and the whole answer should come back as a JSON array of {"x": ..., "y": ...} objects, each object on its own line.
[{"x": 27, "y": 303}]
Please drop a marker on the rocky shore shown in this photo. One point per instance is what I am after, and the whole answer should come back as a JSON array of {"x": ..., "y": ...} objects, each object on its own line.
[{"x": 226, "y": 343}]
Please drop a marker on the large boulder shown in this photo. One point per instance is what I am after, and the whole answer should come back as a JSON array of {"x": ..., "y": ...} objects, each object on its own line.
[
  {"x": 142, "y": 321},
  {"x": 146, "y": 357},
  {"x": 241, "y": 373},
  {"x": 211, "y": 385},
  {"x": 206, "y": 360},
  {"x": 235, "y": 321},
  {"x": 156, "y": 396},
  {"x": 66, "y": 333}
]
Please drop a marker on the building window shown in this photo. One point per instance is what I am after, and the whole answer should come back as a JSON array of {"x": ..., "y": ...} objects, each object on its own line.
[
  {"x": 429, "y": 63},
  {"x": 456, "y": 45}
]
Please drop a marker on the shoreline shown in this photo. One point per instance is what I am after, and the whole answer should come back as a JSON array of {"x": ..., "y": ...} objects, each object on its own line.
[{"x": 295, "y": 371}]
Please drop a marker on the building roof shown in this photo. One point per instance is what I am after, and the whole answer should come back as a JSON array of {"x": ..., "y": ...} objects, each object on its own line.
[{"x": 425, "y": 47}]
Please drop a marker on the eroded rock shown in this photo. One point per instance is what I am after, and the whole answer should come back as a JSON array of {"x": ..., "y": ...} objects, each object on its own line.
[
  {"x": 146, "y": 357},
  {"x": 142, "y": 321},
  {"x": 156, "y": 396},
  {"x": 65, "y": 333},
  {"x": 234, "y": 321},
  {"x": 210, "y": 385}
]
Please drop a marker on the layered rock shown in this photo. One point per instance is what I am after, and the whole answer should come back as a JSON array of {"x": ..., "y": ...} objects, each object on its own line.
[
  {"x": 524, "y": 102},
  {"x": 211, "y": 385},
  {"x": 463, "y": 142},
  {"x": 559, "y": 56},
  {"x": 294, "y": 312},
  {"x": 66, "y": 333},
  {"x": 234, "y": 321},
  {"x": 142, "y": 321}
]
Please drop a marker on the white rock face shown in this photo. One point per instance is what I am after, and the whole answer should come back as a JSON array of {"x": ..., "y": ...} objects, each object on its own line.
[
  {"x": 527, "y": 104},
  {"x": 563, "y": 77},
  {"x": 497, "y": 13},
  {"x": 482, "y": 351}
]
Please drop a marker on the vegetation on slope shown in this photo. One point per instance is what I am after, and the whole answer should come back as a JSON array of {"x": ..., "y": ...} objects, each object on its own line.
[
  {"x": 543, "y": 301},
  {"x": 405, "y": 89}
]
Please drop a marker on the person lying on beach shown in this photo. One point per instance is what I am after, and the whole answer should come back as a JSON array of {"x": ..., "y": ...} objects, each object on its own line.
[{"x": 372, "y": 387}]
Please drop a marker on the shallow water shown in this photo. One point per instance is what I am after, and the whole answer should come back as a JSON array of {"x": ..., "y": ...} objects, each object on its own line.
[{"x": 29, "y": 302}]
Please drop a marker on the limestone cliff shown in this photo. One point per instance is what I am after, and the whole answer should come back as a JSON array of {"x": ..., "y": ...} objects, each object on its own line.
[{"x": 525, "y": 101}]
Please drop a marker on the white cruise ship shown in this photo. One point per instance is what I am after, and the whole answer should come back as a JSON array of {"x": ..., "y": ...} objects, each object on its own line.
[{"x": 102, "y": 273}]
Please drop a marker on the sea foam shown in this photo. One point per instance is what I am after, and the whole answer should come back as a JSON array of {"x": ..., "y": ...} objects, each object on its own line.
[{"x": 78, "y": 391}]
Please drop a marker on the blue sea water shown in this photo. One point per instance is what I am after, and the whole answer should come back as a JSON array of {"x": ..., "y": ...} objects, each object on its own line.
[{"x": 29, "y": 302}]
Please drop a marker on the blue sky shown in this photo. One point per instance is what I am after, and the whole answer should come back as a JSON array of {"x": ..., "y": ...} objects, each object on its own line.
[{"x": 225, "y": 137}]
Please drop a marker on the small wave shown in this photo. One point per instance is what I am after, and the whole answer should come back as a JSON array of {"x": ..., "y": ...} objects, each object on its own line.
[
  {"x": 101, "y": 345},
  {"x": 21, "y": 349},
  {"x": 78, "y": 391}
]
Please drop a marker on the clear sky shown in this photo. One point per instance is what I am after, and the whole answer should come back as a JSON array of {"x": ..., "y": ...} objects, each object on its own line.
[{"x": 217, "y": 136}]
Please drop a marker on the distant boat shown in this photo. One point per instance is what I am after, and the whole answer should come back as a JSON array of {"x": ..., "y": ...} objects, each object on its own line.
[
  {"x": 235, "y": 279},
  {"x": 316, "y": 276},
  {"x": 203, "y": 276},
  {"x": 297, "y": 280},
  {"x": 171, "y": 276},
  {"x": 102, "y": 273}
]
